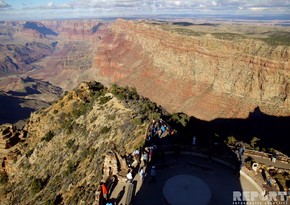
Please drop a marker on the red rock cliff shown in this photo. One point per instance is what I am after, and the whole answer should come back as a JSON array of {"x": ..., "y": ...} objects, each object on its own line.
[{"x": 202, "y": 76}]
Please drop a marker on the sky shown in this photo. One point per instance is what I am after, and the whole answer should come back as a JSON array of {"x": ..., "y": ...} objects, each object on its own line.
[{"x": 63, "y": 9}]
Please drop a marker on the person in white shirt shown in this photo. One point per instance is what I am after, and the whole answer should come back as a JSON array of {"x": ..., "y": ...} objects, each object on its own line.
[
  {"x": 129, "y": 176},
  {"x": 142, "y": 174}
]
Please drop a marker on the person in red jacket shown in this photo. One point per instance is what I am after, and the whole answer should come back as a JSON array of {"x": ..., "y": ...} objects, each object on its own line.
[{"x": 104, "y": 190}]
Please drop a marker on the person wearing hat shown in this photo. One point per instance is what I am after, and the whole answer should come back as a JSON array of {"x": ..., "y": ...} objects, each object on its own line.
[{"x": 153, "y": 175}]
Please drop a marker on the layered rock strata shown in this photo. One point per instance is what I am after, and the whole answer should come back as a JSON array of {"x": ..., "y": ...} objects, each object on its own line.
[{"x": 202, "y": 76}]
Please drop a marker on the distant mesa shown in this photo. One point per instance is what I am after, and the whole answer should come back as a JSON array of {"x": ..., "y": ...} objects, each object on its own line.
[
  {"x": 183, "y": 23},
  {"x": 192, "y": 24},
  {"x": 40, "y": 28}
]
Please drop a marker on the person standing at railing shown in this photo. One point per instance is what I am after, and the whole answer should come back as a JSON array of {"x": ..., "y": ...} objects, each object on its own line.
[{"x": 274, "y": 157}]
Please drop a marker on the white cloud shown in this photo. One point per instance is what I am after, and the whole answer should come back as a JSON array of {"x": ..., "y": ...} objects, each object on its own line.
[
  {"x": 3, "y": 4},
  {"x": 214, "y": 3},
  {"x": 127, "y": 7},
  {"x": 169, "y": 4},
  {"x": 202, "y": 6},
  {"x": 177, "y": 3},
  {"x": 51, "y": 4},
  {"x": 259, "y": 8}
]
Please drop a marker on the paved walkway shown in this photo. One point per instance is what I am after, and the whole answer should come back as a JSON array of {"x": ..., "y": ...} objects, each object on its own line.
[
  {"x": 268, "y": 162},
  {"x": 219, "y": 178},
  {"x": 180, "y": 179}
]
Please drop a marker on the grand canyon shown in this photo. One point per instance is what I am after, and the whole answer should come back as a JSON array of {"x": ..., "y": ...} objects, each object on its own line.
[
  {"x": 200, "y": 69},
  {"x": 70, "y": 90}
]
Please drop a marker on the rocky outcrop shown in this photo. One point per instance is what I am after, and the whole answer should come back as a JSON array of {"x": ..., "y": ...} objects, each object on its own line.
[
  {"x": 62, "y": 156},
  {"x": 9, "y": 137},
  {"x": 17, "y": 58},
  {"x": 204, "y": 76}
]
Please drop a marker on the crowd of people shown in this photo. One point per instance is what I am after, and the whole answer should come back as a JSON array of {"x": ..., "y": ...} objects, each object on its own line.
[
  {"x": 146, "y": 155},
  {"x": 143, "y": 158}
]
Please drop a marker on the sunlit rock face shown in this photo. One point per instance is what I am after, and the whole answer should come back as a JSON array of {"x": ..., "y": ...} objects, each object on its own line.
[
  {"x": 203, "y": 76},
  {"x": 207, "y": 76}
]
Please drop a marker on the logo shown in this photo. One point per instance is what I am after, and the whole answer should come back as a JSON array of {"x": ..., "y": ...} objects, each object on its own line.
[{"x": 256, "y": 198}]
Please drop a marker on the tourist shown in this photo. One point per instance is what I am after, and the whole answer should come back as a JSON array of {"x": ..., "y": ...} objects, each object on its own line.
[
  {"x": 129, "y": 177},
  {"x": 110, "y": 173},
  {"x": 194, "y": 140},
  {"x": 241, "y": 151},
  {"x": 153, "y": 175},
  {"x": 271, "y": 182},
  {"x": 145, "y": 158},
  {"x": 142, "y": 174},
  {"x": 110, "y": 203},
  {"x": 104, "y": 190},
  {"x": 150, "y": 153},
  {"x": 274, "y": 157}
]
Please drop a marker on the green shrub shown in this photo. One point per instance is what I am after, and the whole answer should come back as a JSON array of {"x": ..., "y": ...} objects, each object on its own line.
[
  {"x": 48, "y": 136},
  {"x": 187, "y": 32},
  {"x": 36, "y": 185},
  {"x": 120, "y": 96},
  {"x": 97, "y": 94},
  {"x": 29, "y": 153},
  {"x": 84, "y": 153},
  {"x": 228, "y": 36},
  {"x": 3, "y": 178},
  {"x": 67, "y": 125},
  {"x": 69, "y": 143},
  {"x": 182, "y": 119},
  {"x": 111, "y": 117},
  {"x": 278, "y": 38},
  {"x": 55, "y": 111},
  {"x": 154, "y": 115},
  {"x": 92, "y": 151},
  {"x": 49, "y": 202},
  {"x": 132, "y": 93},
  {"x": 71, "y": 167},
  {"x": 96, "y": 86},
  {"x": 231, "y": 140},
  {"x": 104, "y": 99},
  {"x": 74, "y": 148},
  {"x": 137, "y": 121},
  {"x": 105, "y": 130},
  {"x": 254, "y": 141}
]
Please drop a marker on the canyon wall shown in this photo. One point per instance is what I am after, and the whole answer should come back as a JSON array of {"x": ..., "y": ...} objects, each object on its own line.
[
  {"x": 75, "y": 29},
  {"x": 202, "y": 76}
]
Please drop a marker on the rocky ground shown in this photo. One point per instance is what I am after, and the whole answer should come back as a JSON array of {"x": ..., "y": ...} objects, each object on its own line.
[{"x": 63, "y": 153}]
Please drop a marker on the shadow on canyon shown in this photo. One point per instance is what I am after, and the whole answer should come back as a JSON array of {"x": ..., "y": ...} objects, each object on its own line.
[
  {"x": 211, "y": 143},
  {"x": 271, "y": 130},
  {"x": 11, "y": 110}
]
